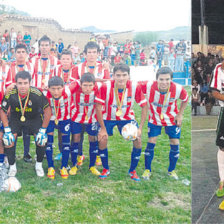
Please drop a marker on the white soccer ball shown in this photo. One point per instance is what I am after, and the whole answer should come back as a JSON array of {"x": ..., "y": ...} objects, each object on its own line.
[
  {"x": 11, "y": 184},
  {"x": 129, "y": 132}
]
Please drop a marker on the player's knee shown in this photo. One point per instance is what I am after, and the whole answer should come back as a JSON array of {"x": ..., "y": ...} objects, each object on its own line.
[
  {"x": 174, "y": 141},
  {"x": 92, "y": 138},
  {"x": 152, "y": 140}
]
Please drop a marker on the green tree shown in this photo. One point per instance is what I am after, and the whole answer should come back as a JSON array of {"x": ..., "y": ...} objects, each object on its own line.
[{"x": 146, "y": 38}]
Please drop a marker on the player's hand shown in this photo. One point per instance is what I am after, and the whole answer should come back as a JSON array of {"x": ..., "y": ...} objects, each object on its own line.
[
  {"x": 102, "y": 134},
  {"x": 41, "y": 137},
  {"x": 106, "y": 65},
  {"x": 8, "y": 137},
  {"x": 45, "y": 87},
  {"x": 178, "y": 119},
  {"x": 9, "y": 88}
]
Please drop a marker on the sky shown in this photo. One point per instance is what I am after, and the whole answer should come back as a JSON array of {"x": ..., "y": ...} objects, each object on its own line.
[{"x": 118, "y": 15}]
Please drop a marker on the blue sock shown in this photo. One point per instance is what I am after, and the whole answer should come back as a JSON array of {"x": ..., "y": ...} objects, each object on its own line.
[
  {"x": 49, "y": 150},
  {"x": 74, "y": 152},
  {"x": 135, "y": 157},
  {"x": 173, "y": 157},
  {"x": 81, "y": 144},
  {"x": 104, "y": 158},
  {"x": 149, "y": 154},
  {"x": 2, "y": 156},
  {"x": 65, "y": 150},
  {"x": 93, "y": 152},
  {"x": 26, "y": 144}
]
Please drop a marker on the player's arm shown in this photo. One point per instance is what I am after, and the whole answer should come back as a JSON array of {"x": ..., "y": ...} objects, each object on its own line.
[
  {"x": 143, "y": 118},
  {"x": 47, "y": 117},
  {"x": 4, "y": 118},
  {"x": 217, "y": 95}
]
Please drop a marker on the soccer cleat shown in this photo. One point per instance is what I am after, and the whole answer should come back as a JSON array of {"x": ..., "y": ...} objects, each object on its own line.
[
  {"x": 98, "y": 161},
  {"x": 39, "y": 169},
  {"x": 80, "y": 160},
  {"x": 94, "y": 171},
  {"x": 104, "y": 174},
  {"x": 12, "y": 170},
  {"x": 220, "y": 191},
  {"x": 221, "y": 206},
  {"x": 64, "y": 173},
  {"x": 173, "y": 175},
  {"x": 27, "y": 158},
  {"x": 73, "y": 170},
  {"x": 51, "y": 173},
  {"x": 134, "y": 176},
  {"x": 6, "y": 162},
  {"x": 146, "y": 175},
  {"x": 58, "y": 156}
]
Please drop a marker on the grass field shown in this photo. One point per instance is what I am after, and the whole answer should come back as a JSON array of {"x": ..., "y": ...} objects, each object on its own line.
[{"x": 86, "y": 199}]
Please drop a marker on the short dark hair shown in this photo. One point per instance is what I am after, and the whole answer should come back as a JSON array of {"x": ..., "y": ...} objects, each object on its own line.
[
  {"x": 55, "y": 81},
  {"x": 44, "y": 38},
  {"x": 91, "y": 45},
  {"x": 19, "y": 46},
  {"x": 23, "y": 75},
  {"x": 87, "y": 77},
  {"x": 122, "y": 67},
  {"x": 164, "y": 70},
  {"x": 66, "y": 52}
]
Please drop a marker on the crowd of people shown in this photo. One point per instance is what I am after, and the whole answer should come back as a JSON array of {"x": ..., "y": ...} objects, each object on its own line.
[
  {"x": 202, "y": 70},
  {"x": 45, "y": 92}
]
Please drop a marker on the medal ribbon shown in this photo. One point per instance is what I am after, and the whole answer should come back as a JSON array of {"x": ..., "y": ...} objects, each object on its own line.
[
  {"x": 42, "y": 69},
  {"x": 119, "y": 102},
  {"x": 56, "y": 111},
  {"x": 20, "y": 103}
]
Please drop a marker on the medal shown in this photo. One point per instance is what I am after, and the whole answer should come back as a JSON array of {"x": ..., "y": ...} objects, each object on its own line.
[
  {"x": 161, "y": 116},
  {"x": 119, "y": 113},
  {"x": 55, "y": 111},
  {"x": 86, "y": 112},
  {"x": 22, "y": 118},
  {"x": 56, "y": 121},
  {"x": 86, "y": 118}
]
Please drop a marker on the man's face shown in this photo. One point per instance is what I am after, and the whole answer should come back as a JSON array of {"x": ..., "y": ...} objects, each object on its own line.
[
  {"x": 44, "y": 47},
  {"x": 87, "y": 87},
  {"x": 164, "y": 82},
  {"x": 23, "y": 86},
  {"x": 56, "y": 91},
  {"x": 91, "y": 55},
  {"x": 120, "y": 78},
  {"x": 21, "y": 55},
  {"x": 66, "y": 61}
]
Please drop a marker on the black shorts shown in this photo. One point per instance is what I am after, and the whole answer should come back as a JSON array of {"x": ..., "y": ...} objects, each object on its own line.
[
  {"x": 29, "y": 127},
  {"x": 220, "y": 129}
]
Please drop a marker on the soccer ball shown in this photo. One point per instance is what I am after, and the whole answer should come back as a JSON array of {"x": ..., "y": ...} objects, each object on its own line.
[
  {"x": 129, "y": 132},
  {"x": 11, "y": 184}
]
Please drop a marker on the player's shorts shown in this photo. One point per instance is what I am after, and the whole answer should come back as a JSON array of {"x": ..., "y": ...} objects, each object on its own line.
[
  {"x": 63, "y": 127},
  {"x": 92, "y": 129},
  {"x": 29, "y": 127},
  {"x": 172, "y": 131},
  {"x": 1, "y": 127},
  {"x": 220, "y": 129},
  {"x": 120, "y": 124}
]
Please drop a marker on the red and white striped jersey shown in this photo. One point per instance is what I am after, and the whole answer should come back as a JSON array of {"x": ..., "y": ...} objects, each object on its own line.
[
  {"x": 4, "y": 70},
  {"x": 69, "y": 76},
  {"x": 217, "y": 81},
  {"x": 83, "y": 108},
  {"x": 43, "y": 70},
  {"x": 62, "y": 105},
  {"x": 14, "y": 69},
  {"x": 157, "y": 106},
  {"x": 99, "y": 72},
  {"x": 107, "y": 98}
]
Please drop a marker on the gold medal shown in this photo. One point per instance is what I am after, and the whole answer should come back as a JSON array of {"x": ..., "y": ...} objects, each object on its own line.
[
  {"x": 22, "y": 118},
  {"x": 119, "y": 113},
  {"x": 161, "y": 116},
  {"x": 56, "y": 121},
  {"x": 86, "y": 118}
]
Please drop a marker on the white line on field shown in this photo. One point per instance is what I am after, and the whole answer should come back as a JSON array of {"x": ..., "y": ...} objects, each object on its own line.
[{"x": 203, "y": 130}]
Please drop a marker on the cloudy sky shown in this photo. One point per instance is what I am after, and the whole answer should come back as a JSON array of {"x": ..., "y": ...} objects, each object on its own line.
[{"x": 119, "y": 15}]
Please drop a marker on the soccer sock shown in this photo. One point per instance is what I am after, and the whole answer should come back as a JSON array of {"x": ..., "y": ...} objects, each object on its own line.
[
  {"x": 135, "y": 157},
  {"x": 49, "y": 150},
  {"x": 26, "y": 144},
  {"x": 81, "y": 144},
  {"x": 93, "y": 152},
  {"x": 173, "y": 157},
  {"x": 40, "y": 151},
  {"x": 149, "y": 155},
  {"x": 11, "y": 154},
  {"x": 74, "y": 152},
  {"x": 65, "y": 150},
  {"x": 2, "y": 156},
  {"x": 220, "y": 159},
  {"x": 104, "y": 158}
]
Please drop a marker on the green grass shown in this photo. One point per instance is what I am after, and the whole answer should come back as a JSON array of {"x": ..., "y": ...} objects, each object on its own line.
[{"x": 86, "y": 199}]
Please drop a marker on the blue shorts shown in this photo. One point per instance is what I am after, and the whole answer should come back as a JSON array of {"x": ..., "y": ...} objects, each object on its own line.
[
  {"x": 63, "y": 127},
  {"x": 92, "y": 129},
  {"x": 171, "y": 131},
  {"x": 120, "y": 124}
]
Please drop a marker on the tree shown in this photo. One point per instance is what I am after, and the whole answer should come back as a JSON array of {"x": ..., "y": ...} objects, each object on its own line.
[{"x": 146, "y": 38}]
